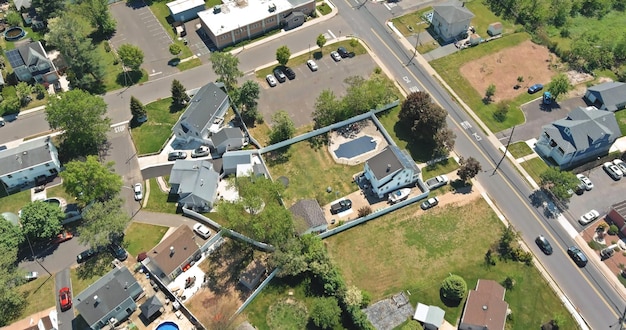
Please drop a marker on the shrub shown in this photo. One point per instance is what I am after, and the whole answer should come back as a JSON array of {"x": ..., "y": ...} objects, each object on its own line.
[
  {"x": 490, "y": 259},
  {"x": 508, "y": 283},
  {"x": 378, "y": 70},
  {"x": 366, "y": 298},
  {"x": 365, "y": 210},
  {"x": 502, "y": 109},
  {"x": 613, "y": 230},
  {"x": 107, "y": 46},
  {"x": 453, "y": 288},
  {"x": 325, "y": 312}
]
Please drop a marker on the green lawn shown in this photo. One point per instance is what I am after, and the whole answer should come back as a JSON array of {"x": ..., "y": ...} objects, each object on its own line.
[
  {"x": 412, "y": 23},
  {"x": 40, "y": 294},
  {"x": 141, "y": 237},
  {"x": 520, "y": 149},
  {"x": 443, "y": 167},
  {"x": 162, "y": 13},
  {"x": 604, "y": 30},
  {"x": 150, "y": 136},
  {"x": 196, "y": 62},
  {"x": 14, "y": 202},
  {"x": 420, "y": 249},
  {"x": 324, "y": 8},
  {"x": 212, "y": 3},
  {"x": 157, "y": 200},
  {"x": 114, "y": 77},
  {"x": 483, "y": 17},
  {"x": 310, "y": 171},
  {"x": 535, "y": 167},
  {"x": 621, "y": 121}
]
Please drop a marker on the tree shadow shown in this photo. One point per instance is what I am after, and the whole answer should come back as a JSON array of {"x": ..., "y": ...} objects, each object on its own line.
[
  {"x": 277, "y": 157},
  {"x": 98, "y": 265},
  {"x": 226, "y": 264},
  {"x": 129, "y": 78},
  {"x": 449, "y": 302},
  {"x": 176, "y": 107},
  {"x": 461, "y": 187},
  {"x": 537, "y": 198},
  {"x": 318, "y": 55},
  {"x": 421, "y": 150}
]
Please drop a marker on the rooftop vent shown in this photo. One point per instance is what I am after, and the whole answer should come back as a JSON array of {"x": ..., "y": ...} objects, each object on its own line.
[
  {"x": 484, "y": 307},
  {"x": 388, "y": 167},
  {"x": 272, "y": 8},
  {"x": 217, "y": 9}
]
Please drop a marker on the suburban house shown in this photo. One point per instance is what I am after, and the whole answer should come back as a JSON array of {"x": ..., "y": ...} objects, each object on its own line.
[
  {"x": 22, "y": 4},
  {"x": 185, "y": 10},
  {"x": 227, "y": 139},
  {"x": 252, "y": 275},
  {"x": 204, "y": 114},
  {"x": 30, "y": 61},
  {"x": 32, "y": 162},
  {"x": 431, "y": 317},
  {"x": 609, "y": 96},
  {"x": 585, "y": 134},
  {"x": 33, "y": 20},
  {"x": 485, "y": 307},
  {"x": 451, "y": 20},
  {"x": 617, "y": 215},
  {"x": 308, "y": 217},
  {"x": 174, "y": 255},
  {"x": 391, "y": 169},
  {"x": 194, "y": 184},
  {"x": 243, "y": 163},
  {"x": 110, "y": 300},
  {"x": 237, "y": 20}
]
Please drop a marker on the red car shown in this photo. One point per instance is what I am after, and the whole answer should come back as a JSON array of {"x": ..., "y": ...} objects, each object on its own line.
[
  {"x": 62, "y": 237},
  {"x": 65, "y": 299}
]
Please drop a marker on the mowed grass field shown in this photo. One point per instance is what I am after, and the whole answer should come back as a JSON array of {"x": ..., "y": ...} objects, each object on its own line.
[
  {"x": 150, "y": 136},
  {"x": 402, "y": 251}
]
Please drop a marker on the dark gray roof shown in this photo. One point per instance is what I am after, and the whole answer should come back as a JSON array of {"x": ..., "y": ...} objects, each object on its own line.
[
  {"x": 111, "y": 290},
  {"x": 195, "y": 179},
  {"x": 226, "y": 134},
  {"x": 151, "y": 307},
  {"x": 310, "y": 211},
  {"x": 389, "y": 161},
  {"x": 29, "y": 54},
  {"x": 583, "y": 127},
  {"x": 28, "y": 154},
  {"x": 204, "y": 106},
  {"x": 453, "y": 12},
  {"x": 610, "y": 94}
]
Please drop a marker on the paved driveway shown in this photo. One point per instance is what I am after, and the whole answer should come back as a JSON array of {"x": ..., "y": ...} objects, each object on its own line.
[
  {"x": 298, "y": 96},
  {"x": 137, "y": 25}
]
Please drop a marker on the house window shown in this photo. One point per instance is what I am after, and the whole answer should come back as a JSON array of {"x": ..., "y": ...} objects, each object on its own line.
[
  {"x": 560, "y": 150},
  {"x": 47, "y": 164},
  {"x": 567, "y": 131},
  {"x": 10, "y": 176}
]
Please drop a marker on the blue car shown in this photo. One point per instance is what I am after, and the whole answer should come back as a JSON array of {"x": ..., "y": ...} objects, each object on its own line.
[{"x": 535, "y": 88}]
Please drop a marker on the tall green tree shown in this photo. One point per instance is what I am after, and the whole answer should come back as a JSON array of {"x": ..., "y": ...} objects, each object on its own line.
[
  {"x": 47, "y": 9},
  {"x": 136, "y": 108},
  {"x": 282, "y": 128},
  {"x": 179, "y": 93},
  {"x": 469, "y": 168},
  {"x": 82, "y": 118},
  {"x": 321, "y": 41},
  {"x": 175, "y": 49},
  {"x": 41, "y": 220},
  {"x": 559, "y": 85},
  {"x": 325, "y": 312},
  {"x": 11, "y": 236},
  {"x": 226, "y": 66},
  {"x": 97, "y": 12},
  {"x": 282, "y": 55},
  {"x": 423, "y": 116},
  {"x": 453, "y": 288},
  {"x": 247, "y": 97},
  {"x": 131, "y": 56},
  {"x": 91, "y": 180},
  {"x": 103, "y": 223},
  {"x": 24, "y": 92},
  {"x": 326, "y": 109},
  {"x": 559, "y": 183},
  {"x": 12, "y": 300}
]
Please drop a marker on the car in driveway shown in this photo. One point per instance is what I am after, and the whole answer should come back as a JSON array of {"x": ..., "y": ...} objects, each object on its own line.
[
  {"x": 138, "y": 190},
  {"x": 543, "y": 244},
  {"x": 174, "y": 155},
  {"x": 118, "y": 252},
  {"x": 270, "y": 81},
  {"x": 65, "y": 299},
  {"x": 62, "y": 237},
  {"x": 312, "y": 65},
  {"x": 535, "y": 88},
  {"x": 588, "y": 217},
  {"x": 85, "y": 255},
  {"x": 621, "y": 165},
  {"x": 202, "y": 151},
  {"x": 289, "y": 73},
  {"x": 438, "y": 181},
  {"x": 280, "y": 76},
  {"x": 578, "y": 256},
  {"x": 202, "y": 230},
  {"x": 430, "y": 203},
  {"x": 335, "y": 56},
  {"x": 342, "y": 205},
  {"x": 587, "y": 184},
  {"x": 30, "y": 276},
  {"x": 612, "y": 170}
]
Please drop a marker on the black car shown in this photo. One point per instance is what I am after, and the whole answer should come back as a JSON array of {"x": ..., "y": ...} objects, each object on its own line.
[
  {"x": 578, "y": 256},
  {"x": 342, "y": 52},
  {"x": 341, "y": 206},
  {"x": 543, "y": 244},
  {"x": 289, "y": 73},
  {"x": 174, "y": 155},
  {"x": 118, "y": 252},
  {"x": 280, "y": 76},
  {"x": 85, "y": 255}
]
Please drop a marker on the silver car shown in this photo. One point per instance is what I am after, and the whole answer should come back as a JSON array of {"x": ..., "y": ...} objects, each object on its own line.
[
  {"x": 613, "y": 171},
  {"x": 312, "y": 65},
  {"x": 271, "y": 80},
  {"x": 588, "y": 217},
  {"x": 335, "y": 56},
  {"x": 621, "y": 165},
  {"x": 585, "y": 181}
]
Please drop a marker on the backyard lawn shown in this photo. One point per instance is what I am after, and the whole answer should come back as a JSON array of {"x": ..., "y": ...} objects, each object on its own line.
[
  {"x": 141, "y": 237},
  {"x": 157, "y": 200},
  {"x": 13, "y": 203},
  {"x": 150, "y": 136},
  {"x": 39, "y": 295},
  {"x": 418, "y": 252}
]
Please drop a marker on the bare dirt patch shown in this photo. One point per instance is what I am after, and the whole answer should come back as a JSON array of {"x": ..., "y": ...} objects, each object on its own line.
[{"x": 531, "y": 61}]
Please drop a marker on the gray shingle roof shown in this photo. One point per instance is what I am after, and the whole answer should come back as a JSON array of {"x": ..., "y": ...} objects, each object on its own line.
[
  {"x": 389, "y": 161},
  {"x": 610, "y": 94},
  {"x": 151, "y": 307},
  {"x": 29, "y": 54},
  {"x": 310, "y": 211},
  {"x": 195, "y": 180},
  {"x": 453, "y": 12},
  {"x": 225, "y": 134},
  {"x": 204, "y": 106},
  {"x": 27, "y": 154}
]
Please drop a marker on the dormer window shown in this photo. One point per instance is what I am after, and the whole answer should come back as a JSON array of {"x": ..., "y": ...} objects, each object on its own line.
[{"x": 567, "y": 131}]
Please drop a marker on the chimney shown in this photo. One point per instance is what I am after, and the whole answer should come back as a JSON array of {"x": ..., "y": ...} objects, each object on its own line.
[
  {"x": 201, "y": 182},
  {"x": 388, "y": 167}
]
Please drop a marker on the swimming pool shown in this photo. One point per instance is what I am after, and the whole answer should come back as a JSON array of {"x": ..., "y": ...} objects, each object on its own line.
[
  {"x": 167, "y": 325},
  {"x": 356, "y": 147}
]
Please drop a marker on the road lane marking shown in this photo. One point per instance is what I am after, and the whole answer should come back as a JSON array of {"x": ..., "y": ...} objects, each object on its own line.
[
  {"x": 466, "y": 125},
  {"x": 414, "y": 89},
  {"x": 332, "y": 34}
]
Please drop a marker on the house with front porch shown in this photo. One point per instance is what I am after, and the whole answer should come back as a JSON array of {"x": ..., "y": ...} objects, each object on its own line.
[
  {"x": 194, "y": 184},
  {"x": 391, "y": 169}
]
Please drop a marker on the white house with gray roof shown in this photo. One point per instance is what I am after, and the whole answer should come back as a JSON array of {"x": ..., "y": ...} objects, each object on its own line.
[
  {"x": 584, "y": 135},
  {"x": 110, "y": 300},
  {"x": 391, "y": 169},
  {"x": 308, "y": 217},
  {"x": 194, "y": 183},
  {"x": 30, "y": 162},
  {"x": 227, "y": 139},
  {"x": 451, "y": 20},
  {"x": 204, "y": 115},
  {"x": 609, "y": 96}
]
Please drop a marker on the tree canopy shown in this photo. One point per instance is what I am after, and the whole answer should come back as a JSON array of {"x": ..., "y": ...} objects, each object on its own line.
[
  {"x": 11, "y": 236},
  {"x": 325, "y": 312},
  {"x": 226, "y": 66},
  {"x": 282, "y": 55},
  {"x": 559, "y": 85},
  {"x": 91, "y": 180},
  {"x": 282, "y": 127},
  {"x": 559, "y": 183},
  {"x": 453, "y": 288},
  {"x": 321, "y": 41},
  {"x": 179, "y": 94},
  {"x": 136, "y": 108},
  {"x": 247, "y": 97},
  {"x": 175, "y": 49},
  {"x": 103, "y": 223},
  {"x": 131, "y": 56},
  {"x": 41, "y": 220},
  {"x": 97, "y": 12},
  {"x": 47, "y": 9},
  {"x": 82, "y": 118},
  {"x": 422, "y": 115},
  {"x": 469, "y": 168}
]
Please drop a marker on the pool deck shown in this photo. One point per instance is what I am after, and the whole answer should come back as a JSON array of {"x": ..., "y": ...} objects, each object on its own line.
[{"x": 369, "y": 129}]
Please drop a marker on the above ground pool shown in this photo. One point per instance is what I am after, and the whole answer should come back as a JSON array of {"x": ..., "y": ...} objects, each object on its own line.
[
  {"x": 167, "y": 325},
  {"x": 356, "y": 147},
  {"x": 14, "y": 33}
]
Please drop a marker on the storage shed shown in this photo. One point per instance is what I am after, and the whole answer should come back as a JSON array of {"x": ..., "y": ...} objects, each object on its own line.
[
  {"x": 494, "y": 29},
  {"x": 185, "y": 10}
]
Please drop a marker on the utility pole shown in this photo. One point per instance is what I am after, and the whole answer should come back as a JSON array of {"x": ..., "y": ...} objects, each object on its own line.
[
  {"x": 620, "y": 321},
  {"x": 506, "y": 149},
  {"x": 414, "y": 50}
]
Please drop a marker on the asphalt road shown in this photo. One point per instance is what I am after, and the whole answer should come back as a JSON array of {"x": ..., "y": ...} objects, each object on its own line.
[{"x": 62, "y": 279}]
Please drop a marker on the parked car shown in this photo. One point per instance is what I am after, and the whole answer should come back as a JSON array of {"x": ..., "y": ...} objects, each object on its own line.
[
  {"x": 535, "y": 88},
  {"x": 335, "y": 56},
  {"x": 174, "y": 155},
  {"x": 621, "y": 165},
  {"x": 342, "y": 205},
  {"x": 2, "y": 122},
  {"x": 204, "y": 150},
  {"x": 118, "y": 252},
  {"x": 289, "y": 73},
  {"x": 543, "y": 244},
  {"x": 578, "y": 256},
  {"x": 85, "y": 255},
  {"x": 31, "y": 276},
  {"x": 202, "y": 230},
  {"x": 399, "y": 195},
  {"x": 431, "y": 202},
  {"x": 436, "y": 182},
  {"x": 280, "y": 76},
  {"x": 62, "y": 237},
  {"x": 271, "y": 80},
  {"x": 585, "y": 181},
  {"x": 138, "y": 189},
  {"x": 589, "y": 217},
  {"x": 342, "y": 52},
  {"x": 312, "y": 65},
  {"x": 65, "y": 299},
  {"x": 612, "y": 170}
]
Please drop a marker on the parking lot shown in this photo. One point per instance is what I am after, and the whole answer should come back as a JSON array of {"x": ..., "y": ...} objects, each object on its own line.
[{"x": 297, "y": 97}]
